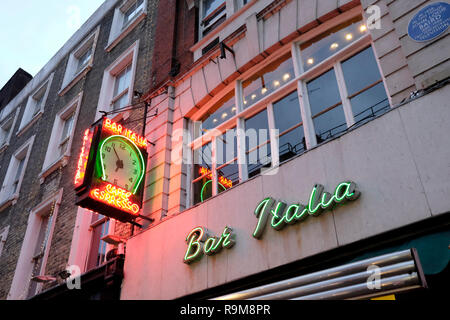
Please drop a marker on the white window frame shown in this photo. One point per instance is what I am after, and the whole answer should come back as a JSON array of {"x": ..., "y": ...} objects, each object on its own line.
[
  {"x": 6, "y": 198},
  {"x": 73, "y": 74},
  {"x": 22, "y": 276},
  {"x": 3, "y": 237},
  {"x": 53, "y": 159},
  {"x": 28, "y": 119},
  {"x": 130, "y": 56},
  {"x": 82, "y": 239},
  {"x": 201, "y": 28},
  {"x": 118, "y": 32},
  {"x": 297, "y": 83},
  {"x": 9, "y": 121}
]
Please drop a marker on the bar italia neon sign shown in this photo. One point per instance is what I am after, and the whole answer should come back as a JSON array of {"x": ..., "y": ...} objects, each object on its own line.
[
  {"x": 110, "y": 171},
  {"x": 319, "y": 202}
]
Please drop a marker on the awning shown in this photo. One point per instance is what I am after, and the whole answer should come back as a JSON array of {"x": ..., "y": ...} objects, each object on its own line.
[{"x": 377, "y": 276}]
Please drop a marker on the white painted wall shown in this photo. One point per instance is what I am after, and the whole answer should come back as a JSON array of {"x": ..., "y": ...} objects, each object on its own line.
[{"x": 399, "y": 161}]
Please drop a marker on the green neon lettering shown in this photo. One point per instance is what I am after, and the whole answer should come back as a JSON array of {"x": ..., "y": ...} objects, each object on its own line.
[
  {"x": 277, "y": 216},
  {"x": 262, "y": 212},
  {"x": 319, "y": 201},
  {"x": 194, "y": 250}
]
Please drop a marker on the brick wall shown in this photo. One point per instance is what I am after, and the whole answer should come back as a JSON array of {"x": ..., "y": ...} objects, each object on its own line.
[{"x": 32, "y": 191}]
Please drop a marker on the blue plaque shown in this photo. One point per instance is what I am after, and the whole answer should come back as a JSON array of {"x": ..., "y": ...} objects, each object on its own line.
[{"x": 430, "y": 22}]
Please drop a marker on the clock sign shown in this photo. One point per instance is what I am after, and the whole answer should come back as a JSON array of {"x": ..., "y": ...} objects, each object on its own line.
[{"x": 110, "y": 172}]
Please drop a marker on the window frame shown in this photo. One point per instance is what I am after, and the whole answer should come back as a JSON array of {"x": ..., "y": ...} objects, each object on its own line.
[
  {"x": 73, "y": 72},
  {"x": 52, "y": 162},
  {"x": 22, "y": 153},
  {"x": 214, "y": 16},
  {"x": 118, "y": 31},
  {"x": 12, "y": 119},
  {"x": 3, "y": 237},
  {"x": 28, "y": 118},
  {"x": 22, "y": 277},
  {"x": 297, "y": 83},
  {"x": 129, "y": 56}
]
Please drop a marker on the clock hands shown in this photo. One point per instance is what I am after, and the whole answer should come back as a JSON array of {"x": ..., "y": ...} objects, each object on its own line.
[{"x": 119, "y": 163}]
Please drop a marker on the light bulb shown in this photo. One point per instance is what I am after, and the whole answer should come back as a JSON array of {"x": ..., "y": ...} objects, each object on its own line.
[
  {"x": 334, "y": 46},
  {"x": 224, "y": 115},
  {"x": 349, "y": 36},
  {"x": 363, "y": 28},
  {"x": 276, "y": 83},
  {"x": 286, "y": 76},
  {"x": 310, "y": 61},
  {"x": 263, "y": 90},
  {"x": 253, "y": 96}
]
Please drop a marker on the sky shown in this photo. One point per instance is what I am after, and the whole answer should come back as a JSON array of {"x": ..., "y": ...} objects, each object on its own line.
[{"x": 32, "y": 31}]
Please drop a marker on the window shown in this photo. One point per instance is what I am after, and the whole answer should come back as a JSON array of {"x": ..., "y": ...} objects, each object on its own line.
[
  {"x": 297, "y": 99},
  {"x": 15, "y": 173},
  {"x": 80, "y": 61},
  {"x": 268, "y": 80},
  {"x": 58, "y": 150},
  {"x": 35, "y": 105},
  {"x": 6, "y": 129},
  {"x": 32, "y": 262},
  {"x": 121, "y": 86},
  {"x": 126, "y": 18},
  {"x": 39, "y": 250},
  {"x": 212, "y": 14},
  {"x": 98, "y": 247},
  {"x": 118, "y": 81},
  {"x": 3, "y": 236}
]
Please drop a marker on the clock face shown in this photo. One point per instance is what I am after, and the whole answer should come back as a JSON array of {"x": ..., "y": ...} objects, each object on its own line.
[{"x": 121, "y": 162}]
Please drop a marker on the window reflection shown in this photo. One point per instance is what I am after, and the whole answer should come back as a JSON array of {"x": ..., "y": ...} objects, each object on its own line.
[
  {"x": 327, "y": 44},
  {"x": 267, "y": 80},
  {"x": 223, "y": 110},
  {"x": 288, "y": 121},
  {"x": 257, "y": 143},
  {"x": 202, "y": 185},
  {"x": 326, "y": 108}
]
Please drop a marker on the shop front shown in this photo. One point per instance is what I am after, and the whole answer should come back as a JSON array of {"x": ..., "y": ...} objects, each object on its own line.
[{"x": 362, "y": 207}]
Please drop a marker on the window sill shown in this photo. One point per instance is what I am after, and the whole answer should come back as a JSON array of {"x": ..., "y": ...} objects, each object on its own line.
[
  {"x": 125, "y": 31},
  {"x": 9, "y": 202},
  {"x": 66, "y": 87},
  {"x": 61, "y": 162},
  {"x": 4, "y": 146},
  {"x": 30, "y": 123}
]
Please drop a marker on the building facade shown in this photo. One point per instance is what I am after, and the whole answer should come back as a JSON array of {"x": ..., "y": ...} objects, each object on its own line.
[
  {"x": 287, "y": 110},
  {"x": 297, "y": 149},
  {"x": 104, "y": 66}
]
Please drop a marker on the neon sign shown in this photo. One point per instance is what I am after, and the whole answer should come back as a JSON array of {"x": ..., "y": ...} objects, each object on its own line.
[
  {"x": 115, "y": 197},
  {"x": 199, "y": 244},
  {"x": 226, "y": 183},
  {"x": 110, "y": 171},
  {"x": 319, "y": 202},
  {"x": 117, "y": 129},
  {"x": 83, "y": 158}
]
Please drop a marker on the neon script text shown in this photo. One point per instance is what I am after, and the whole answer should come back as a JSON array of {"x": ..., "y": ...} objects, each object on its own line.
[
  {"x": 199, "y": 243},
  {"x": 83, "y": 158},
  {"x": 119, "y": 130},
  {"x": 319, "y": 201},
  {"x": 115, "y": 197}
]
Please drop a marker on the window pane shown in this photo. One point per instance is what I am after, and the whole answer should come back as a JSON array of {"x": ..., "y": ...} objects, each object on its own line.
[
  {"x": 256, "y": 135},
  {"x": 202, "y": 189},
  {"x": 67, "y": 127},
  {"x": 323, "y": 92},
  {"x": 210, "y": 5},
  {"x": 221, "y": 112},
  {"x": 132, "y": 12},
  {"x": 268, "y": 80},
  {"x": 287, "y": 115},
  {"x": 360, "y": 71},
  {"x": 122, "y": 81},
  {"x": 370, "y": 103},
  {"x": 327, "y": 44},
  {"x": 330, "y": 123},
  {"x": 121, "y": 102},
  {"x": 226, "y": 145}
]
